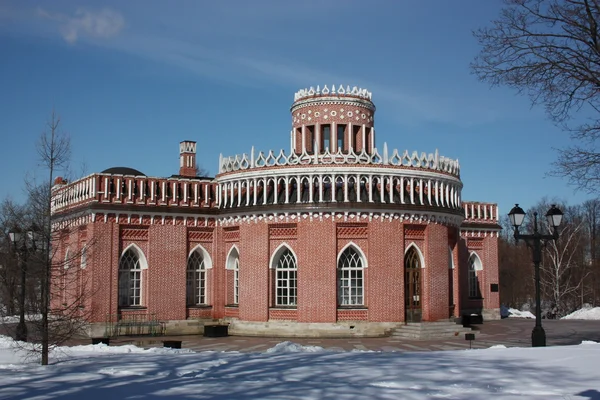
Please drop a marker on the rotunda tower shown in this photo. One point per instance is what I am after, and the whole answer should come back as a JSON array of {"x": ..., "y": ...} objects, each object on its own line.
[{"x": 336, "y": 120}]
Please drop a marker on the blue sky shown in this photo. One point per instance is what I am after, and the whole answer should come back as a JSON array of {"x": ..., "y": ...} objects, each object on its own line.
[{"x": 132, "y": 79}]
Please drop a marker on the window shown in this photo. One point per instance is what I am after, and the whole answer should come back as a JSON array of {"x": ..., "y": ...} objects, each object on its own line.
[
  {"x": 340, "y": 137},
  {"x": 130, "y": 279},
  {"x": 196, "y": 280},
  {"x": 233, "y": 263},
  {"x": 236, "y": 281},
  {"x": 83, "y": 260},
  {"x": 350, "y": 278},
  {"x": 326, "y": 137},
  {"x": 286, "y": 279},
  {"x": 474, "y": 266}
]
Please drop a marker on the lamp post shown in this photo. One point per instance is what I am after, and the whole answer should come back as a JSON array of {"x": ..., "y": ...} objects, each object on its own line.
[
  {"x": 534, "y": 242},
  {"x": 22, "y": 242}
]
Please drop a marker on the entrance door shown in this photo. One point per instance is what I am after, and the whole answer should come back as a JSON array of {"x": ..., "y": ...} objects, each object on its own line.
[{"x": 412, "y": 286}]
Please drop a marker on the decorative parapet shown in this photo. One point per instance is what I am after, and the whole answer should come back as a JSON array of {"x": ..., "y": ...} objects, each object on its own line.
[
  {"x": 480, "y": 213},
  {"x": 340, "y": 91},
  {"x": 432, "y": 161},
  {"x": 130, "y": 190}
]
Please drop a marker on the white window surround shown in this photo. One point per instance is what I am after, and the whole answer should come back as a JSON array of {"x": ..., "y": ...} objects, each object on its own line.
[
  {"x": 208, "y": 264},
  {"x": 83, "y": 259},
  {"x": 350, "y": 276},
  {"x": 277, "y": 253},
  {"x": 356, "y": 247},
  {"x": 196, "y": 279},
  {"x": 67, "y": 264},
  {"x": 140, "y": 264},
  {"x": 421, "y": 258},
  {"x": 450, "y": 258},
  {"x": 474, "y": 265},
  {"x": 233, "y": 253}
]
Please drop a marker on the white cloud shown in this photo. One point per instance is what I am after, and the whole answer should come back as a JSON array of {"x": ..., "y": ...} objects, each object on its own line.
[{"x": 100, "y": 24}]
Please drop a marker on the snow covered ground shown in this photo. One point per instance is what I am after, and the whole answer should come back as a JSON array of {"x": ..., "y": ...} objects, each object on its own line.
[
  {"x": 585, "y": 313},
  {"x": 291, "y": 371}
]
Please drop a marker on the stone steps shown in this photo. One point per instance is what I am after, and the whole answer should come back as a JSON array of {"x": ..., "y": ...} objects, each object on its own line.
[{"x": 430, "y": 330}]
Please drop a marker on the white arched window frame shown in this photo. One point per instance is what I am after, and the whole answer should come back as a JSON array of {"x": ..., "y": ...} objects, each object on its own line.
[
  {"x": 420, "y": 257},
  {"x": 351, "y": 263},
  {"x": 233, "y": 263},
  {"x": 83, "y": 259},
  {"x": 475, "y": 267},
  {"x": 284, "y": 261},
  {"x": 131, "y": 264},
  {"x": 67, "y": 263},
  {"x": 198, "y": 264}
]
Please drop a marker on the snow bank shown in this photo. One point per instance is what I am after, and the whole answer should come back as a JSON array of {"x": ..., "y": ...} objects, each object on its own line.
[
  {"x": 514, "y": 313},
  {"x": 585, "y": 313},
  {"x": 290, "y": 347}
]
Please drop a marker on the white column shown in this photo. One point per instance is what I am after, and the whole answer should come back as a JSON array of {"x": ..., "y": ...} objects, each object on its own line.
[
  {"x": 402, "y": 190},
  {"x": 239, "y": 186},
  {"x": 346, "y": 189},
  {"x": 382, "y": 188},
  {"x": 317, "y": 139},
  {"x": 320, "y": 188},
  {"x": 429, "y": 191},
  {"x": 311, "y": 186},
  {"x": 303, "y": 138},
  {"x": 421, "y": 191},
  {"x": 287, "y": 190},
  {"x": 275, "y": 190},
  {"x": 357, "y": 188},
  {"x": 333, "y": 137},
  {"x": 364, "y": 138},
  {"x": 195, "y": 192},
  {"x": 207, "y": 195},
  {"x": 350, "y": 144},
  {"x": 265, "y": 187},
  {"x": 185, "y": 195},
  {"x": 333, "y": 187},
  {"x": 247, "y": 191},
  {"x": 255, "y": 192},
  {"x": 299, "y": 186},
  {"x": 370, "y": 186}
]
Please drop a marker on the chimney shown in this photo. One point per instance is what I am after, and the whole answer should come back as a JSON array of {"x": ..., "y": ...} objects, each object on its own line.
[{"x": 187, "y": 158}]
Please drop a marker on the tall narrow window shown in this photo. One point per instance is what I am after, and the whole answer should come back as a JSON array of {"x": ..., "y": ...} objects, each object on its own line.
[
  {"x": 350, "y": 278},
  {"x": 340, "y": 137},
  {"x": 326, "y": 137},
  {"x": 130, "y": 279},
  {"x": 233, "y": 275},
  {"x": 287, "y": 281},
  {"x": 474, "y": 267},
  {"x": 236, "y": 281},
  {"x": 196, "y": 280}
]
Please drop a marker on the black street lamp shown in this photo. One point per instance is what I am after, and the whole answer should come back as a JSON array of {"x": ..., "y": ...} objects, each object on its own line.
[
  {"x": 23, "y": 243},
  {"x": 534, "y": 242}
]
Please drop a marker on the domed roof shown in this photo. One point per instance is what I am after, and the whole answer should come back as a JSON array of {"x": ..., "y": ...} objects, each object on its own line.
[{"x": 122, "y": 171}]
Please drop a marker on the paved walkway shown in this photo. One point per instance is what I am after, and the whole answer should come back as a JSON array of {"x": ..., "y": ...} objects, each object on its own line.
[{"x": 512, "y": 332}]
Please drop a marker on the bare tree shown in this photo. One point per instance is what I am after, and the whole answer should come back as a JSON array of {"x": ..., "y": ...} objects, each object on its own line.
[
  {"x": 564, "y": 272},
  {"x": 550, "y": 50}
]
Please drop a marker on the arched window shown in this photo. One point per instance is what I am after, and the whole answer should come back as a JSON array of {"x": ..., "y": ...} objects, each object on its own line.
[
  {"x": 233, "y": 263},
  {"x": 130, "y": 279},
  {"x": 474, "y": 267},
  {"x": 83, "y": 260},
  {"x": 350, "y": 278},
  {"x": 196, "y": 279},
  {"x": 286, "y": 275}
]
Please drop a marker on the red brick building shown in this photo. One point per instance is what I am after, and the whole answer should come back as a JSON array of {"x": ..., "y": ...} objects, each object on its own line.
[{"x": 334, "y": 237}]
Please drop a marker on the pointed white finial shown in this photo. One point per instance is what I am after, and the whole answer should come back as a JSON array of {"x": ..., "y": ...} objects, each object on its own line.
[
  {"x": 318, "y": 89},
  {"x": 252, "y": 157},
  {"x": 333, "y": 89}
]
